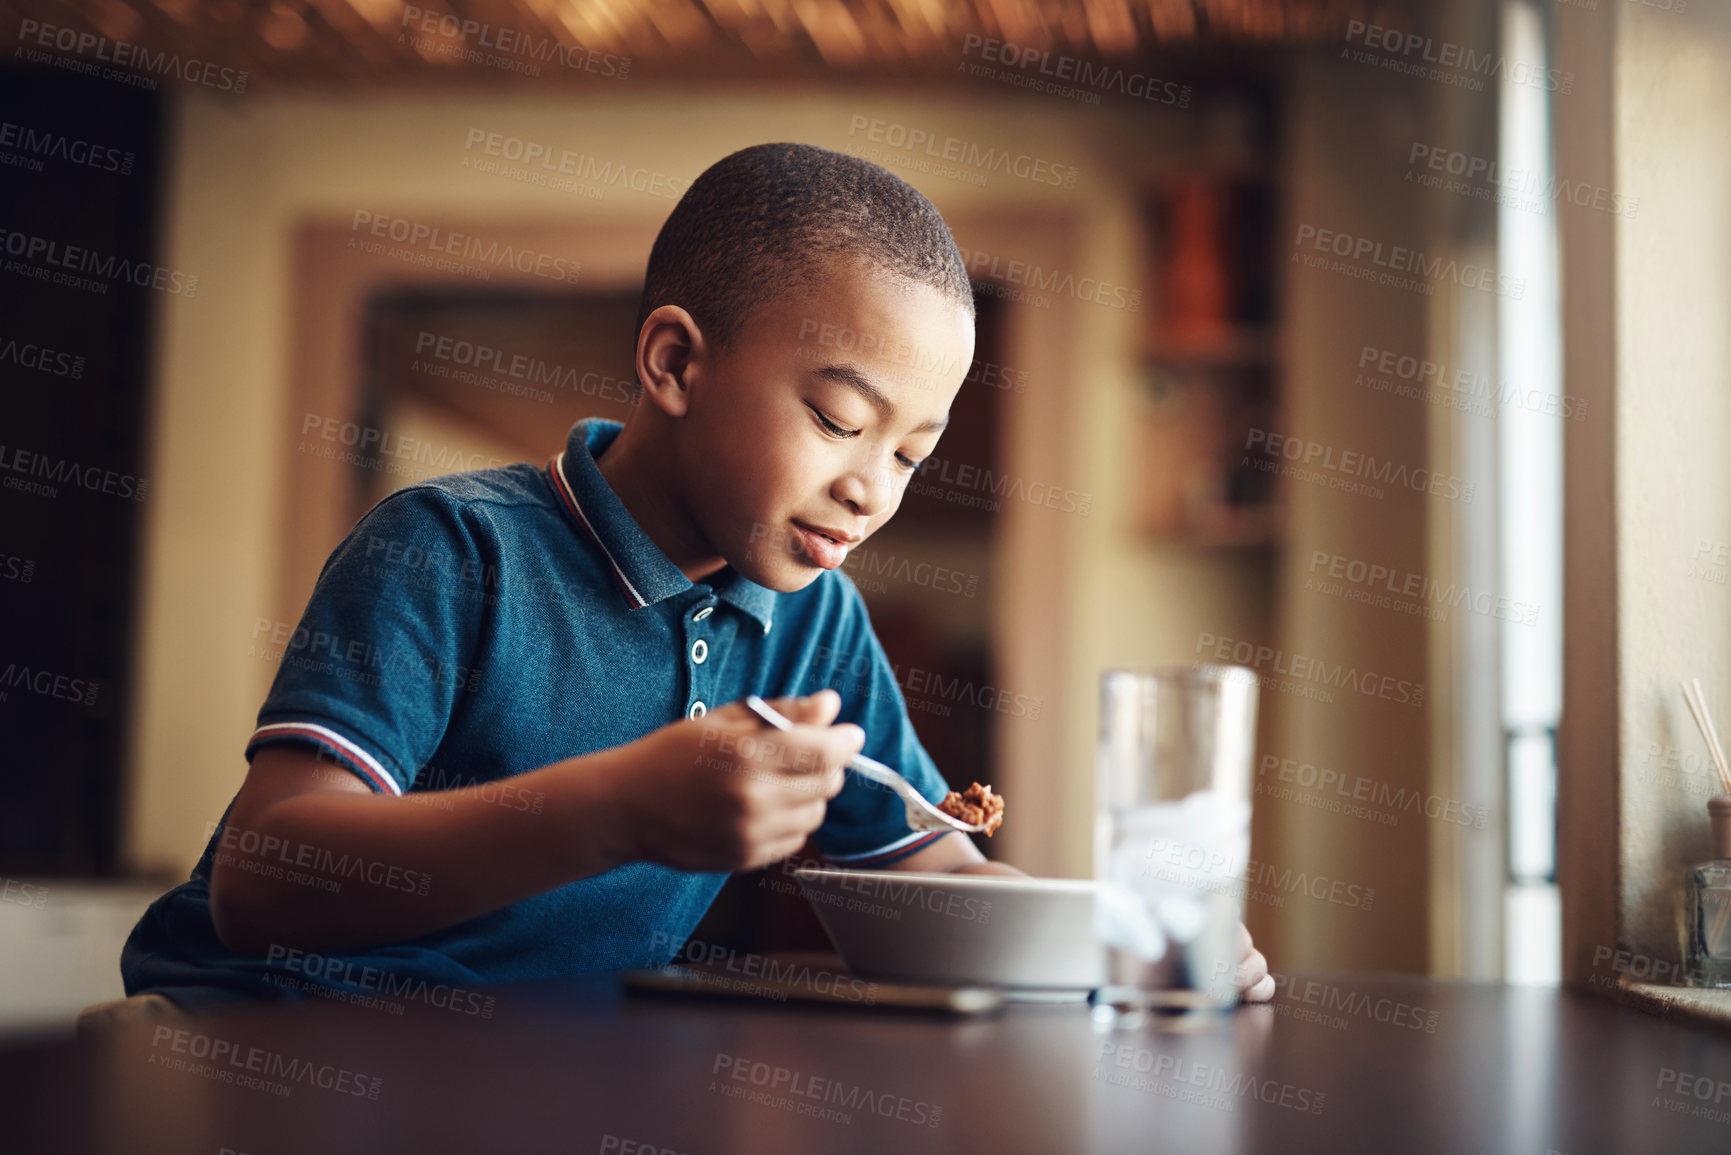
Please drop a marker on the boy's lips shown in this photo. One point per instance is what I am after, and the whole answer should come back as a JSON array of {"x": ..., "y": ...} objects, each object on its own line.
[{"x": 827, "y": 547}]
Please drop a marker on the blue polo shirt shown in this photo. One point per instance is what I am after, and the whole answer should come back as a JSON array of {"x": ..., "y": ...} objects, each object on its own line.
[{"x": 476, "y": 626}]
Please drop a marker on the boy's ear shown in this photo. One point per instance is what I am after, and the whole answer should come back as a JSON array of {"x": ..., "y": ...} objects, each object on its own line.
[{"x": 670, "y": 351}]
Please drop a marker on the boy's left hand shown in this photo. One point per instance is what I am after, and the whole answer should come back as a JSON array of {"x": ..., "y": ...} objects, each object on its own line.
[{"x": 1255, "y": 984}]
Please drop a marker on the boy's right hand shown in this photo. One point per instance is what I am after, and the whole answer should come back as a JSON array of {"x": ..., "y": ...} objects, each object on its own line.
[{"x": 726, "y": 792}]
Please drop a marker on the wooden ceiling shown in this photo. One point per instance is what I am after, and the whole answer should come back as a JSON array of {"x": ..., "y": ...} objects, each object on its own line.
[{"x": 601, "y": 42}]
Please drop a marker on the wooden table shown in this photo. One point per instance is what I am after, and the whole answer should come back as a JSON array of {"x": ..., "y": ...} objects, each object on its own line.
[{"x": 1345, "y": 1064}]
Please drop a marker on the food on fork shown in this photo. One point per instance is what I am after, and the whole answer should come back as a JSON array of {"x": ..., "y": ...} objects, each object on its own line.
[{"x": 976, "y": 805}]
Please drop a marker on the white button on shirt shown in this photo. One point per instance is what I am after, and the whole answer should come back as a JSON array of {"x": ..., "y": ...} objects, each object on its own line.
[
  {"x": 702, "y": 613},
  {"x": 699, "y": 651},
  {"x": 698, "y": 710}
]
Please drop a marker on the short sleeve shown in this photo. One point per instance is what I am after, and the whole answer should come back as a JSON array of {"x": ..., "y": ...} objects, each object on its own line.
[
  {"x": 866, "y": 824},
  {"x": 371, "y": 674}
]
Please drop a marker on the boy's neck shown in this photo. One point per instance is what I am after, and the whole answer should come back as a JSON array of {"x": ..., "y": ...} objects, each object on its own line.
[{"x": 639, "y": 477}]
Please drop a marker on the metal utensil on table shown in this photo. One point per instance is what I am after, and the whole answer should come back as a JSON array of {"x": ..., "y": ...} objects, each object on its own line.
[{"x": 922, "y": 815}]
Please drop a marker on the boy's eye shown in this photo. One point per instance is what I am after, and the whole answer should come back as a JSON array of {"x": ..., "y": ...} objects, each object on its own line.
[
  {"x": 829, "y": 425},
  {"x": 835, "y": 430}
]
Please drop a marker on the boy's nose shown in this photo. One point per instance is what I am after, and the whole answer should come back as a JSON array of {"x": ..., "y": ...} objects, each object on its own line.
[{"x": 867, "y": 493}]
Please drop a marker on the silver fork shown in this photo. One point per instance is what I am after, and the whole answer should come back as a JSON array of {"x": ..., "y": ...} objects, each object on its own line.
[{"x": 921, "y": 814}]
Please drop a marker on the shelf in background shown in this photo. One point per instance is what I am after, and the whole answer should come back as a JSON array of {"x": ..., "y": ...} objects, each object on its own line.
[
  {"x": 1232, "y": 346},
  {"x": 1210, "y": 359}
]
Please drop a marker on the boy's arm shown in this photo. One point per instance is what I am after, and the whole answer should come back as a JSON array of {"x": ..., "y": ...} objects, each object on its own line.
[
  {"x": 421, "y": 867},
  {"x": 688, "y": 795},
  {"x": 953, "y": 854}
]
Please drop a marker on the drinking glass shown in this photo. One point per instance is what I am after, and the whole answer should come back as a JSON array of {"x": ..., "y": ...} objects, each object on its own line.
[{"x": 1172, "y": 836}]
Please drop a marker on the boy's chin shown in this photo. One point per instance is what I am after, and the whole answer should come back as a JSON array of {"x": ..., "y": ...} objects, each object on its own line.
[{"x": 783, "y": 575}]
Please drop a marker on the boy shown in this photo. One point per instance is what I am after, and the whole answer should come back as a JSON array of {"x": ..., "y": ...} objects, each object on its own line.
[{"x": 550, "y": 660}]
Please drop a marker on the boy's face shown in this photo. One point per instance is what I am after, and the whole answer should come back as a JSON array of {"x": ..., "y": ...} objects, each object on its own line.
[{"x": 799, "y": 441}]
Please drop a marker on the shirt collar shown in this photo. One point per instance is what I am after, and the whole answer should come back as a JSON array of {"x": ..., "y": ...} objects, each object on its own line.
[{"x": 642, "y": 572}]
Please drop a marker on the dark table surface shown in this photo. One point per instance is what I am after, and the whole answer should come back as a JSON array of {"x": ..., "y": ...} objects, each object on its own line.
[{"x": 1346, "y": 1063}]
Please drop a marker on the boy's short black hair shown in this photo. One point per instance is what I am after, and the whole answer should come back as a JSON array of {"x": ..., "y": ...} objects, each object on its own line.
[{"x": 767, "y": 219}]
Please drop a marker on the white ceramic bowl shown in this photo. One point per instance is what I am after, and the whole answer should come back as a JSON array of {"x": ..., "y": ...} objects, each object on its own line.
[{"x": 959, "y": 929}]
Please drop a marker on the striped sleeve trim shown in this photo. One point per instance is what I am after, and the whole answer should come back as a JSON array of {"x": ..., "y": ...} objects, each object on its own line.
[
  {"x": 355, "y": 756},
  {"x": 901, "y": 847}
]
